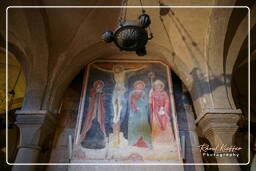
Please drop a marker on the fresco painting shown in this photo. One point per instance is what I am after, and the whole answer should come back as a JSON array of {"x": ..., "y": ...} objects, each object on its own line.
[
  {"x": 138, "y": 125},
  {"x": 127, "y": 113},
  {"x": 162, "y": 133},
  {"x": 95, "y": 118}
]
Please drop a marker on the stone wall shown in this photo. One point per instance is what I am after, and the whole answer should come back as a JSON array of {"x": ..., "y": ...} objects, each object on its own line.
[
  {"x": 67, "y": 120},
  {"x": 186, "y": 122},
  {"x": 66, "y": 124}
]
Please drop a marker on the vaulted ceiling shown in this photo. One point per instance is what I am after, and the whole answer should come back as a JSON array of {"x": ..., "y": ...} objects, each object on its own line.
[{"x": 53, "y": 44}]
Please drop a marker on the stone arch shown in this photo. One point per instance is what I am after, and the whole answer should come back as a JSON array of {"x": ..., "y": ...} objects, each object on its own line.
[
  {"x": 15, "y": 50},
  {"x": 123, "y": 55},
  {"x": 238, "y": 44},
  {"x": 16, "y": 78},
  {"x": 218, "y": 27},
  {"x": 32, "y": 56},
  {"x": 16, "y": 90},
  {"x": 66, "y": 73}
]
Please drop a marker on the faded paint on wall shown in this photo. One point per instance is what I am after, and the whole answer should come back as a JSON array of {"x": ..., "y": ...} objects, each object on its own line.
[{"x": 126, "y": 112}]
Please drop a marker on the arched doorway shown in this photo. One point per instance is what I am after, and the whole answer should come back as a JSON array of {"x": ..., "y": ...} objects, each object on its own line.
[{"x": 15, "y": 92}]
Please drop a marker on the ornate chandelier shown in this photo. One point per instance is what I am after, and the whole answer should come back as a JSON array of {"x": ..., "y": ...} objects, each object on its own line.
[{"x": 131, "y": 36}]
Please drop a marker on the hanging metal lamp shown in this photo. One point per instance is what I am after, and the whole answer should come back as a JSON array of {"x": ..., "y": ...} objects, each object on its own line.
[{"x": 131, "y": 36}]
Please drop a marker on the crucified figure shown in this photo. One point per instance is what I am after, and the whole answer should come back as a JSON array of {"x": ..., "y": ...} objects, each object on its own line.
[{"x": 119, "y": 73}]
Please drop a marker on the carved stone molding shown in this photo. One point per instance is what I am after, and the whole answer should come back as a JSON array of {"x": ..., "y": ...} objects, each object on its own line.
[
  {"x": 35, "y": 127},
  {"x": 219, "y": 127},
  {"x": 217, "y": 111}
]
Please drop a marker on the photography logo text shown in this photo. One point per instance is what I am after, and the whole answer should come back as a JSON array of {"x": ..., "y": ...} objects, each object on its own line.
[{"x": 221, "y": 150}]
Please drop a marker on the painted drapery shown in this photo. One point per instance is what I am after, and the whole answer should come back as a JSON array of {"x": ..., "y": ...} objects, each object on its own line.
[
  {"x": 95, "y": 117},
  {"x": 162, "y": 133},
  {"x": 138, "y": 123},
  {"x": 126, "y": 112}
]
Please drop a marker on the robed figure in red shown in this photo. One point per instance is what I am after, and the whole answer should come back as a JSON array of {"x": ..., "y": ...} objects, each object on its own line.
[
  {"x": 93, "y": 132},
  {"x": 162, "y": 133}
]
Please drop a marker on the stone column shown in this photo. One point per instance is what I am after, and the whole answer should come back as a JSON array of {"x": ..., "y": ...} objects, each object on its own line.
[
  {"x": 219, "y": 127},
  {"x": 36, "y": 128}
]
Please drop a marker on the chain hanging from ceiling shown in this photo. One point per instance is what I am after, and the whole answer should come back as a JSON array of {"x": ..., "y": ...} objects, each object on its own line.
[
  {"x": 12, "y": 91},
  {"x": 123, "y": 12},
  {"x": 131, "y": 36}
]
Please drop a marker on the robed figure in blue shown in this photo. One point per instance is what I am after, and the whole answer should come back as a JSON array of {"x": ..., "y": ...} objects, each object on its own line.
[{"x": 139, "y": 132}]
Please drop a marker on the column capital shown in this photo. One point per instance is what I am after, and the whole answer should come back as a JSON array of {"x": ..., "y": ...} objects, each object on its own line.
[
  {"x": 219, "y": 126},
  {"x": 35, "y": 126},
  {"x": 35, "y": 117},
  {"x": 217, "y": 111}
]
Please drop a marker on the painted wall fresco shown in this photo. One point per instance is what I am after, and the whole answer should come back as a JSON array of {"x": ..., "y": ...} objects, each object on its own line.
[{"x": 127, "y": 113}]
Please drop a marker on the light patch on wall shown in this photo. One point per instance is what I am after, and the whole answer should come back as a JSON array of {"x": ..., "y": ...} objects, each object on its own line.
[{"x": 16, "y": 82}]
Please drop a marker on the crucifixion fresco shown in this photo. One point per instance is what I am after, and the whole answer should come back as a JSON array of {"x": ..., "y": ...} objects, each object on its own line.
[{"x": 128, "y": 112}]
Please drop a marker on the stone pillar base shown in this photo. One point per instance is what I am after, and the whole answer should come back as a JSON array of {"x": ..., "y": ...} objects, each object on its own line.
[
  {"x": 219, "y": 127},
  {"x": 36, "y": 127}
]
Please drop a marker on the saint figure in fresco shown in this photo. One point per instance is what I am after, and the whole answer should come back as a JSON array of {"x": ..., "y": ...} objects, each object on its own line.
[
  {"x": 162, "y": 133},
  {"x": 139, "y": 133},
  {"x": 119, "y": 74},
  {"x": 93, "y": 132}
]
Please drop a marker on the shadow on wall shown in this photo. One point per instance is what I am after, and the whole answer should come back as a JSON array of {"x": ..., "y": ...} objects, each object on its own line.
[
  {"x": 182, "y": 99},
  {"x": 206, "y": 85},
  {"x": 201, "y": 83},
  {"x": 190, "y": 43}
]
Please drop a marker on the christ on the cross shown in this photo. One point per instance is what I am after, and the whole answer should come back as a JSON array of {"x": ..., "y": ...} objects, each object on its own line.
[{"x": 119, "y": 76}]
